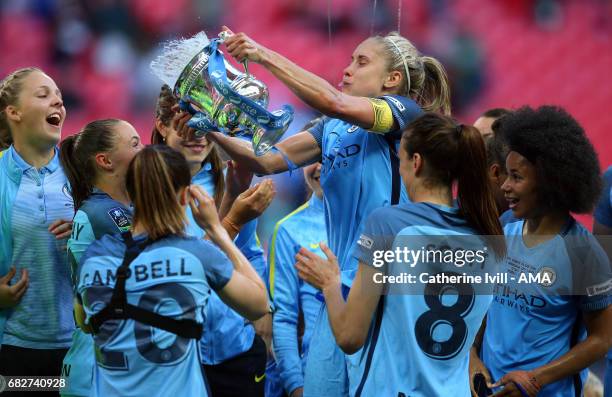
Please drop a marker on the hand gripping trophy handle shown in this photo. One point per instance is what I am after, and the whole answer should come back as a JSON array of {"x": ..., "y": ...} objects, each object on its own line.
[
  {"x": 245, "y": 63},
  {"x": 228, "y": 100}
]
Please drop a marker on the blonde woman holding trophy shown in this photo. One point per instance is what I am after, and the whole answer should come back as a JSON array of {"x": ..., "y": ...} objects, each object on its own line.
[{"x": 387, "y": 84}]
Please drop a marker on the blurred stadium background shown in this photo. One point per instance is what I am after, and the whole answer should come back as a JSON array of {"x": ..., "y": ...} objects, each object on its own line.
[{"x": 498, "y": 53}]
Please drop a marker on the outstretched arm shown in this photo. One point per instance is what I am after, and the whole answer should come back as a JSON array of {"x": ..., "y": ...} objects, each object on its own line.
[
  {"x": 310, "y": 88},
  {"x": 245, "y": 292},
  {"x": 301, "y": 149}
]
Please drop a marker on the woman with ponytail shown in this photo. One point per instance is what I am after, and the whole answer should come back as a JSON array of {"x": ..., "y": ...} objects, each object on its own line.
[
  {"x": 95, "y": 160},
  {"x": 387, "y": 83},
  {"x": 35, "y": 208},
  {"x": 233, "y": 356},
  {"x": 410, "y": 352},
  {"x": 163, "y": 279}
]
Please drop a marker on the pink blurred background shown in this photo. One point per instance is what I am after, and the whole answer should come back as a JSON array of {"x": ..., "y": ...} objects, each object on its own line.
[{"x": 503, "y": 53}]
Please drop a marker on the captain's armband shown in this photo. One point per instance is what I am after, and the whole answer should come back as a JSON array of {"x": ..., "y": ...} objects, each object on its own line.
[{"x": 383, "y": 117}]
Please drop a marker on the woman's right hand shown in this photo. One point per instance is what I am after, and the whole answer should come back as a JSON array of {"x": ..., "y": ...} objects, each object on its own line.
[
  {"x": 243, "y": 48},
  {"x": 251, "y": 203},
  {"x": 204, "y": 210},
  {"x": 478, "y": 367},
  {"x": 10, "y": 295}
]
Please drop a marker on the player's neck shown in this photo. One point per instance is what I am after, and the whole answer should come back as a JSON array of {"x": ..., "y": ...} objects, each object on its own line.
[
  {"x": 137, "y": 229},
  {"x": 36, "y": 157},
  {"x": 542, "y": 228},
  {"x": 194, "y": 168},
  {"x": 115, "y": 190},
  {"x": 436, "y": 195}
]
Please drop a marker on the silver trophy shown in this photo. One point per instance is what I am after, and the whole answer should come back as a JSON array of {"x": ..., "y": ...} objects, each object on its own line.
[{"x": 220, "y": 97}]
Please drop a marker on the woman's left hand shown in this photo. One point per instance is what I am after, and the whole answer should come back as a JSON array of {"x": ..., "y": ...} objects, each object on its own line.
[
  {"x": 251, "y": 203},
  {"x": 518, "y": 384},
  {"x": 242, "y": 47},
  {"x": 316, "y": 271},
  {"x": 61, "y": 228},
  {"x": 179, "y": 123}
]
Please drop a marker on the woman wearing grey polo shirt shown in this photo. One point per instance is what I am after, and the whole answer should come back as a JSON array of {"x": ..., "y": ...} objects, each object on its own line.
[{"x": 36, "y": 320}]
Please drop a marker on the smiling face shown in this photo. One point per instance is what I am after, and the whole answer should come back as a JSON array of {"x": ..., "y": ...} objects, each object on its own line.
[
  {"x": 520, "y": 188},
  {"x": 195, "y": 150},
  {"x": 37, "y": 117},
  {"x": 367, "y": 72}
]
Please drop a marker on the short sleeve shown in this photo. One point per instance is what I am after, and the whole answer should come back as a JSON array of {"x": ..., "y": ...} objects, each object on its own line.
[
  {"x": 376, "y": 239},
  {"x": 107, "y": 217},
  {"x": 603, "y": 211},
  {"x": 109, "y": 246},
  {"x": 217, "y": 266},
  {"x": 592, "y": 272},
  {"x": 404, "y": 110},
  {"x": 80, "y": 239},
  {"x": 317, "y": 131}
]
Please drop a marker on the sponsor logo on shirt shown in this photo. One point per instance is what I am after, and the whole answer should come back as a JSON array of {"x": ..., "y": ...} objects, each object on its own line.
[
  {"x": 397, "y": 103},
  {"x": 365, "y": 241},
  {"x": 547, "y": 276},
  {"x": 66, "y": 191},
  {"x": 352, "y": 129},
  {"x": 120, "y": 219},
  {"x": 340, "y": 157}
]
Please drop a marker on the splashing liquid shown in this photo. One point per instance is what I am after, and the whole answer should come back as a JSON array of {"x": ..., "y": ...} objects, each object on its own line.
[{"x": 175, "y": 55}]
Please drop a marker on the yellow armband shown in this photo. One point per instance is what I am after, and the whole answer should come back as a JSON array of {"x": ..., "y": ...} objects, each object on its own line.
[{"x": 383, "y": 117}]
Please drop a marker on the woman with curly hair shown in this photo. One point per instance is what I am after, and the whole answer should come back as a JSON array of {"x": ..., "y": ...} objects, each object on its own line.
[{"x": 561, "y": 323}]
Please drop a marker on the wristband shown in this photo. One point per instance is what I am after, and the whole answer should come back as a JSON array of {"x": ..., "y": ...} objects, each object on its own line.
[{"x": 232, "y": 225}]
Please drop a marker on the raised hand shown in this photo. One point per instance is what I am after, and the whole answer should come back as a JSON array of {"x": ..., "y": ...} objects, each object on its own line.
[
  {"x": 251, "y": 203},
  {"x": 243, "y": 48},
  {"x": 316, "y": 271},
  {"x": 203, "y": 209}
]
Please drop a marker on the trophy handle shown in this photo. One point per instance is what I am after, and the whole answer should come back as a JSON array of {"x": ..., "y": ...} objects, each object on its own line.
[
  {"x": 224, "y": 35},
  {"x": 272, "y": 124}
]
